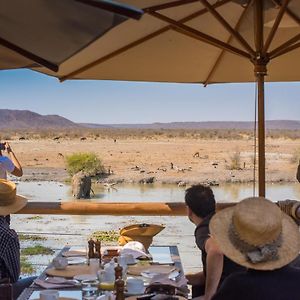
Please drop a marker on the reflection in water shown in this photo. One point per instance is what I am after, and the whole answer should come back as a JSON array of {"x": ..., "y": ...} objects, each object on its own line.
[
  {"x": 229, "y": 191},
  {"x": 54, "y": 191}
]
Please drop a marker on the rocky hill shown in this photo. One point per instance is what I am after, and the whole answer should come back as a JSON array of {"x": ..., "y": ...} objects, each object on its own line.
[{"x": 23, "y": 119}]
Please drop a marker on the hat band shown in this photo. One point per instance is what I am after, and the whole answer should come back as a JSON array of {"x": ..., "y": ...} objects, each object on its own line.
[{"x": 255, "y": 254}]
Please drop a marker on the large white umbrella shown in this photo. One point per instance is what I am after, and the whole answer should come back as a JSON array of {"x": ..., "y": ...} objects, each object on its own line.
[{"x": 199, "y": 41}]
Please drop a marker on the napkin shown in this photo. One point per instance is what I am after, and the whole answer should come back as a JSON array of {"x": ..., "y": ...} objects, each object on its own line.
[
  {"x": 55, "y": 283},
  {"x": 134, "y": 248}
]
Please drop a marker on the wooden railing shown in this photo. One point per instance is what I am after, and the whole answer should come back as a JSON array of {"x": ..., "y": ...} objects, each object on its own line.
[{"x": 110, "y": 208}]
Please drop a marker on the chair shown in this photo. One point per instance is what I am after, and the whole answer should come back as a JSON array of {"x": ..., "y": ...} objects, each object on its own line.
[{"x": 5, "y": 289}]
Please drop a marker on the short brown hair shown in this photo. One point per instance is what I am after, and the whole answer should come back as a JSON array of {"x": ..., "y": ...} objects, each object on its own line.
[{"x": 201, "y": 200}]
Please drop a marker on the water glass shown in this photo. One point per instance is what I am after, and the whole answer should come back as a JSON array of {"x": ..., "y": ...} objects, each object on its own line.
[{"x": 89, "y": 289}]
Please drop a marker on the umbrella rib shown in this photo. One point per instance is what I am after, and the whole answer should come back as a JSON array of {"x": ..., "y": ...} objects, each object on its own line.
[
  {"x": 137, "y": 42},
  {"x": 276, "y": 52},
  {"x": 286, "y": 50},
  {"x": 228, "y": 27},
  {"x": 289, "y": 12},
  {"x": 121, "y": 9},
  {"x": 41, "y": 61},
  {"x": 168, "y": 5},
  {"x": 275, "y": 26},
  {"x": 187, "y": 30},
  {"x": 218, "y": 60}
]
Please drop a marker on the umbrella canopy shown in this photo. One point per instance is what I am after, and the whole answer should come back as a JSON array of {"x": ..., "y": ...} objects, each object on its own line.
[
  {"x": 199, "y": 41},
  {"x": 46, "y": 33}
]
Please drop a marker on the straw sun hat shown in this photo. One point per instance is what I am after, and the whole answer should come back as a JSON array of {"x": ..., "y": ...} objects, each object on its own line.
[
  {"x": 142, "y": 233},
  {"x": 10, "y": 202},
  {"x": 256, "y": 234}
]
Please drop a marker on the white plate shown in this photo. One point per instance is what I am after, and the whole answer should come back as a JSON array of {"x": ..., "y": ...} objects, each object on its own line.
[
  {"x": 76, "y": 260},
  {"x": 85, "y": 277},
  {"x": 149, "y": 274}
]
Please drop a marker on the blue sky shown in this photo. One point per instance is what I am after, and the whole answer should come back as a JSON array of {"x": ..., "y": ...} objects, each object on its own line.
[{"x": 107, "y": 102}]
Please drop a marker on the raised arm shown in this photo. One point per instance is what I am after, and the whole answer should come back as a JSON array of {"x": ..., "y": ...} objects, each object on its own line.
[
  {"x": 18, "y": 169},
  {"x": 214, "y": 268}
]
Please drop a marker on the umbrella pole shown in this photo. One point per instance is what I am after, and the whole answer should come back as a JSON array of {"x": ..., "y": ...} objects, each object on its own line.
[
  {"x": 261, "y": 134},
  {"x": 260, "y": 73}
]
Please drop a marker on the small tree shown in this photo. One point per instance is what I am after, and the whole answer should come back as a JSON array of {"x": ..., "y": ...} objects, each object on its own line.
[{"x": 89, "y": 163}]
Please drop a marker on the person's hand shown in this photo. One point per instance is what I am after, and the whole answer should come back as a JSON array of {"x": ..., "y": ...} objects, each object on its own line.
[
  {"x": 7, "y": 147},
  {"x": 195, "y": 279}
]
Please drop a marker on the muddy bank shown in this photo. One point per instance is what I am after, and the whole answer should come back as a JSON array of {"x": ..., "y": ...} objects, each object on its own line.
[
  {"x": 184, "y": 179},
  {"x": 45, "y": 174}
]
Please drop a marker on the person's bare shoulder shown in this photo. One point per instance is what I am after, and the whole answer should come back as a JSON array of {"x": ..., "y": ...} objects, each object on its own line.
[{"x": 211, "y": 246}]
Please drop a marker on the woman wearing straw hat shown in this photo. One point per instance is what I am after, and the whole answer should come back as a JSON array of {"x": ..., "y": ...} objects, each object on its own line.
[
  {"x": 10, "y": 203},
  {"x": 257, "y": 235}
]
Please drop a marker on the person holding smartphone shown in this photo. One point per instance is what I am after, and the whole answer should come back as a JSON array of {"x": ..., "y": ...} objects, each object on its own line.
[{"x": 9, "y": 163}]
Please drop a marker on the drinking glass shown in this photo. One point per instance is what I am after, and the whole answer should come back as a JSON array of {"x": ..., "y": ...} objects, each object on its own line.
[{"x": 89, "y": 289}]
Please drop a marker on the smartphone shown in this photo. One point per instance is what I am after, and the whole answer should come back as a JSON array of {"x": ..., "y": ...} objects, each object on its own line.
[{"x": 2, "y": 146}]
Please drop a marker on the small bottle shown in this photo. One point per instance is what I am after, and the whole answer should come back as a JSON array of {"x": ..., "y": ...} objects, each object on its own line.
[
  {"x": 120, "y": 286},
  {"x": 118, "y": 272},
  {"x": 98, "y": 250},
  {"x": 91, "y": 250}
]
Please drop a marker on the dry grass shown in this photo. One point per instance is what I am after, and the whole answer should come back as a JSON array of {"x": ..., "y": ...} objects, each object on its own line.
[
  {"x": 115, "y": 134},
  {"x": 131, "y": 155}
]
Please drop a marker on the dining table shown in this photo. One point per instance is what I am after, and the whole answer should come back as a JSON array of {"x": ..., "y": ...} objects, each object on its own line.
[{"x": 161, "y": 256}]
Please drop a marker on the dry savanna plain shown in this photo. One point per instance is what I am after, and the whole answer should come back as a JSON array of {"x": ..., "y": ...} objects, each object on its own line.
[{"x": 164, "y": 156}]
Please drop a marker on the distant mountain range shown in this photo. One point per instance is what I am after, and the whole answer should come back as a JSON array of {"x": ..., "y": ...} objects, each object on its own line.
[
  {"x": 272, "y": 124},
  {"x": 25, "y": 119}
]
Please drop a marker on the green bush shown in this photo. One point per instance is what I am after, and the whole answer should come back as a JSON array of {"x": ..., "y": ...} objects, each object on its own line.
[
  {"x": 37, "y": 250},
  {"x": 89, "y": 163},
  {"x": 31, "y": 237},
  {"x": 106, "y": 236}
]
